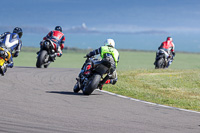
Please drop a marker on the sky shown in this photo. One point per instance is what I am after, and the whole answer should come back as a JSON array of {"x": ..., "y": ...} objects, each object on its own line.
[
  {"x": 107, "y": 15},
  {"x": 178, "y": 18}
]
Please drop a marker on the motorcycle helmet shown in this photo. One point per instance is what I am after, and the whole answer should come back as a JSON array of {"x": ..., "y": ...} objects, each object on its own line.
[
  {"x": 18, "y": 31},
  {"x": 110, "y": 43},
  {"x": 169, "y": 39},
  {"x": 58, "y": 28}
]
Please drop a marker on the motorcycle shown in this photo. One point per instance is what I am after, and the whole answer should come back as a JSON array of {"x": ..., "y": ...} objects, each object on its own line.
[
  {"x": 46, "y": 55},
  {"x": 92, "y": 75},
  {"x": 162, "y": 59},
  {"x": 4, "y": 57}
]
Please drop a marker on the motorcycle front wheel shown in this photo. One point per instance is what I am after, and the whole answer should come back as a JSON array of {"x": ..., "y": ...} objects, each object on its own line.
[{"x": 76, "y": 88}]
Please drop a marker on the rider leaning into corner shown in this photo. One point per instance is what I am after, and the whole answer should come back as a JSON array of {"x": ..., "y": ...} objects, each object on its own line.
[
  {"x": 109, "y": 53},
  {"x": 12, "y": 42},
  {"x": 168, "y": 47},
  {"x": 58, "y": 39}
]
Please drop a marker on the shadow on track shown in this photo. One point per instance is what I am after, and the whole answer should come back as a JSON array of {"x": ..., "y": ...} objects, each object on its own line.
[
  {"x": 68, "y": 93},
  {"x": 24, "y": 67},
  {"x": 64, "y": 92}
]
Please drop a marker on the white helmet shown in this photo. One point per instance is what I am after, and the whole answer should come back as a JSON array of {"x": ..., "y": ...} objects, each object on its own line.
[{"x": 110, "y": 42}]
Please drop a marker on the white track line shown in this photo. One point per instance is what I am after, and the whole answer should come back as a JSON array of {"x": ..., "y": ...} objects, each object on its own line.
[{"x": 137, "y": 100}]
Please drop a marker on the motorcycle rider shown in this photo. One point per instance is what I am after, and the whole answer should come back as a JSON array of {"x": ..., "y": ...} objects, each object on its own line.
[
  {"x": 58, "y": 39},
  {"x": 12, "y": 42},
  {"x": 168, "y": 47},
  {"x": 109, "y": 53}
]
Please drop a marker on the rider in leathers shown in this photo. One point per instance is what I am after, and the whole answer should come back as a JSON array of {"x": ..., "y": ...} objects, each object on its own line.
[
  {"x": 12, "y": 42},
  {"x": 109, "y": 53},
  {"x": 168, "y": 47},
  {"x": 58, "y": 39}
]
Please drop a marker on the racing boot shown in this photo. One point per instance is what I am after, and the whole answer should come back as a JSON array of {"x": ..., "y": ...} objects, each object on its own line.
[
  {"x": 111, "y": 81},
  {"x": 10, "y": 63},
  {"x": 52, "y": 57},
  {"x": 100, "y": 87},
  {"x": 169, "y": 63}
]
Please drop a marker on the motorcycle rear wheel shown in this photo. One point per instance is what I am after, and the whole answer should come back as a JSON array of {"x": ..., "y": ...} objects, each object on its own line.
[
  {"x": 92, "y": 84},
  {"x": 40, "y": 60},
  {"x": 160, "y": 63}
]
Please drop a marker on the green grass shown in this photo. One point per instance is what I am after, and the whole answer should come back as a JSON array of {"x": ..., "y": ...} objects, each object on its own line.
[
  {"x": 129, "y": 60},
  {"x": 178, "y": 86},
  {"x": 144, "y": 60}
]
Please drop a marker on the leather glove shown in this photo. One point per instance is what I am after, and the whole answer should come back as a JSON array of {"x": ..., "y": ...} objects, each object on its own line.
[
  {"x": 15, "y": 54},
  {"x": 41, "y": 42},
  {"x": 173, "y": 53},
  {"x": 88, "y": 55}
]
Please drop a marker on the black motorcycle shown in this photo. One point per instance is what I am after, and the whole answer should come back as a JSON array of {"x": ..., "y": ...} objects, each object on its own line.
[
  {"x": 46, "y": 55},
  {"x": 162, "y": 60},
  {"x": 92, "y": 75}
]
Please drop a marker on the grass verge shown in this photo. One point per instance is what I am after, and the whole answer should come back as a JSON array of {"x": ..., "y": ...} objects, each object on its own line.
[{"x": 176, "y": 88}]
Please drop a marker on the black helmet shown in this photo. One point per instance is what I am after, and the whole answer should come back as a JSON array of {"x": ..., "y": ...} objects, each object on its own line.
[
  {"x": 18, "y": 31},
  {"x": 58, "y": 28}
]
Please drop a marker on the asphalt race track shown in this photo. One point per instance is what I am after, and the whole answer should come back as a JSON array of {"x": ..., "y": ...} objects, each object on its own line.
[{"x": 42, "y": 101}]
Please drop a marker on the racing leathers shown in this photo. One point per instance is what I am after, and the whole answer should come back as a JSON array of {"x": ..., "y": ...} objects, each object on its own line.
[
  {"x": 110, "y": 54},
  {"x": 13, "y": 43},
  {"x": 58, "y": 39},
  {"x": 168, "y": 48}
]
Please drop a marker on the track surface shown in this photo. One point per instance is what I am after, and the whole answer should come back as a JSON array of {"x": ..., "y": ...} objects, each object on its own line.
[{"x": 42, "y": 101}]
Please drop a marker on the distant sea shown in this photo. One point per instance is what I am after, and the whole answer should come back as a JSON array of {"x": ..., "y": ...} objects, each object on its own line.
[{"x": 183, "y": 42}]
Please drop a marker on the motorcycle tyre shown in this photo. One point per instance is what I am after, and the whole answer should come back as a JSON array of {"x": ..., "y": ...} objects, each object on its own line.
[
  {"x": 1, "y": 72},
  {"x": 160, "y": 63},
  {"x": 92, "y": 84},
  {"x": 76, "y": 88},
  {"x": 41, "y": 58}
]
